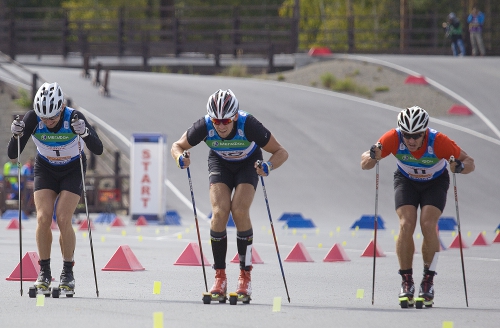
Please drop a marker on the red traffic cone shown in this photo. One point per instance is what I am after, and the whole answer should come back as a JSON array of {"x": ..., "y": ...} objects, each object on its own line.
[
  {"x": 85, "y": 226},
  {"x": 123, "y": 260},
  {"x": 497, "y": 238},
  {"x": 117, "y": 222},
  {"x": 299, "y": 254},
  {"x": 456, "y": 243},
  {"x": 368, "y": 252},
  {"x": 336, "y": 254},
  {"x": 191, "y": 256},
  {"x": 141, "y": 221},
  {"x": 31, "y": 268},
  {"x": 480, "y": 241},
  {"x": 13, "y": 224}
]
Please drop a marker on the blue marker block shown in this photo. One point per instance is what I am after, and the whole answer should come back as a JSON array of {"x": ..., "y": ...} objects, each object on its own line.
[
  {"x": 295, "y": 222},
  {"x": 447, "y": 223},
  {"x": 105, "y": 218},
  {"x": 13, "y": 214},
  {"x": 172, "y": 218},
  {"x": 368, "y": 222},
  {"x": 286, "y": 216},
  {"x": 498, "y": 228}
]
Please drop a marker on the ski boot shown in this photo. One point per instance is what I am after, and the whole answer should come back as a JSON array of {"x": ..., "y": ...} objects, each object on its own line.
[
  {"x": 42, "y": 283},
  {"x": 426, "y": 293},
  {"x": 244, "y": 289},
  {"x": 219, "y": 289},
  {"x": 407, "y": 291},
  {"x": 66, "y": 282}
]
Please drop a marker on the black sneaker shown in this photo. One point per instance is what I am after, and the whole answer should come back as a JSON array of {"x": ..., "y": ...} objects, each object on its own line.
[
  {"x": 44, "y": 277},
  {"x": 67, "y": 280}
]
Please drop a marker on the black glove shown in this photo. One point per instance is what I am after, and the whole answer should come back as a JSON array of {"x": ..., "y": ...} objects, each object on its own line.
[
  {"x": 459, "y": 167},
  {"x": 372, "y": 150}
]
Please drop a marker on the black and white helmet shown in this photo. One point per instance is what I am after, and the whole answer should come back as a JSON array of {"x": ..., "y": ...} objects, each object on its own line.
[
  {"x": 413, "y": 120},
  {"x": 222, "y": 104},
  {"x": 48, "y": 100}
]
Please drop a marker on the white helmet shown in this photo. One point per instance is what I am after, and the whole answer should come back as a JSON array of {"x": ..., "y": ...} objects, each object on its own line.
[
  {"x": 413, "y": 119},
  {"x": 48, "y": 100},
  {"x": 222, "y": 104}
]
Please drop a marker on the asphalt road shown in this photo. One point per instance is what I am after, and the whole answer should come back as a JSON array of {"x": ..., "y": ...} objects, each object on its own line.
[{"x": 325, "y": 134}]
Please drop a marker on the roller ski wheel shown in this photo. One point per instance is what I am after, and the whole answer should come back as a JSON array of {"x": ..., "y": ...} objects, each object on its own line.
[
  {"x": 234, "y": 298},
  {"x": 34, "y": 291},
  {"x": 62, "y": 290},
  {"x": 406, "y": 302},
  {"x": 420, "y": 302},
  {"x": 209, "y": 297}
]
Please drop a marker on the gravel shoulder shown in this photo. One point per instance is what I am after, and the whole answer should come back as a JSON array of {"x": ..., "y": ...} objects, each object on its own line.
[{"x": 371, "y": 77}]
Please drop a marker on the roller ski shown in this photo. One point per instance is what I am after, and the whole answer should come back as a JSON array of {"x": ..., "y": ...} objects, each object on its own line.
[
  {"x": 66, "y": 282},
  {"x": 407, "y": 291},
  {"x": 219, "y": 289},
  {"x": 244, "y": 289},
  {"x": 42, "y": 283},
  {"x": 426, "y": 293}
]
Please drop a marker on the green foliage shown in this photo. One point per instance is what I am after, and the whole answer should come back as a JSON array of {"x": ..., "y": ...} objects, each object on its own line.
[
  {"x": 24, "y": 99},
  {"x": 348, "y": 85},
  {"x": 235, "y": 71},
  {"x": 281, "y": 77},
  {"x": 328, "y": 80},
  {"x": 383, "y": 88}
]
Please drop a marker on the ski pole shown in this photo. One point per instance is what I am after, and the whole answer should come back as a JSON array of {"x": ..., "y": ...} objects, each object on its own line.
[
  {"x": 186, "y": 154},
  {"x": 375, "y": 225},
  {"x": 19, "y": 203},
  {"x": 89, "y": 227},
  {"x": 452, "y": 159},
  {"x": 274, "y": 234}
]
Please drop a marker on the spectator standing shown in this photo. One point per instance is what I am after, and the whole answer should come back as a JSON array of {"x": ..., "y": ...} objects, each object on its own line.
[
  {"x": 453, "y": 30},
  {"x": 476, "y": 22}
]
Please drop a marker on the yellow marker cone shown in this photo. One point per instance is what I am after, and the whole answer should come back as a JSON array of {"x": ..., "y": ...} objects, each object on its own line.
[
  {"x": 447, "y": 324},
  {"x": 124, "y": 232},
  {"x": 468, "y": 233},
  {"x": 179, "y": 236},
  {"x": 320, "y": 245},
  {"x": 331, "y": 233},
  {"x": 187, "y": 230},
  {"x": 108, "y": 229},
  {"x": 396, "y": 237},
  {"x": 158, "y": 320},
  {"x": 157, "y": 231},
  {"x": 344, "y": 243},
  {"x": 317, "y": 231},
  {"x": 156, "y": 287},
  {"x": 294, "y": 231},
  {"x": 353, "y": 233},
  {"x": 304, "y": 236},
  {"x": 360, "y": 293},
  {"x": 357, "y": 228},
  {"x": 40, "y": 300},
  {"x": 140, "y": 238},
  {"x": 277, "y": 304},
  {"x": 484, "y": 233},
  {"x": 338, "y": 229},
  {"x": 84, "y": 234},
  {"x": 103, "y": 239},
  {"x": 418, "y": 236},
  {"x": 392, "y": 232},
  {"x": 453, "y": 233}
]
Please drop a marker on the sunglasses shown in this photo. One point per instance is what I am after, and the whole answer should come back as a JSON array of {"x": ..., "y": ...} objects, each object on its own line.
[
  {"x": 53, "y": 118},
  {"x": 413, "y": 136},
  {"x": 224, "y": 121}
]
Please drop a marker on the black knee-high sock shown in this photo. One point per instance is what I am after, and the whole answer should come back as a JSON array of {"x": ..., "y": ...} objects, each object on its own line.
[
  {"x": 244, "y": 241},
  {"x": 219, "y": 248}
]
